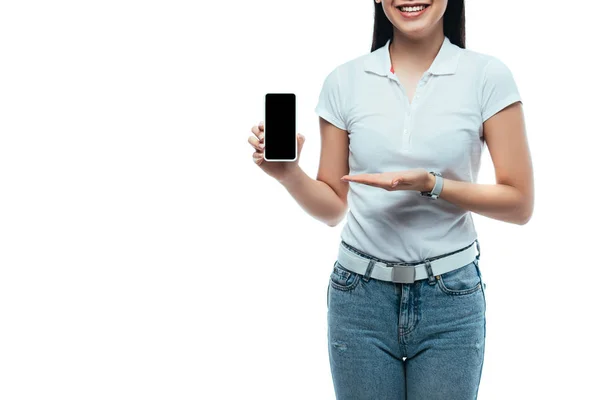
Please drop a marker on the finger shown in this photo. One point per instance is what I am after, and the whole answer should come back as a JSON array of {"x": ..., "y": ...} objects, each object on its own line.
[
  {"x": 382, "y": 186},
  {"x": 358, "y": 179},
  {"x": 258, "y": 158},
  {"x": 301, "y": 139},
  {"x": 374, "y": 184},
  {"x": 256, "y": 143},
  {"x": 261, "y": 126},
  {"x": 258, "y": 133}
]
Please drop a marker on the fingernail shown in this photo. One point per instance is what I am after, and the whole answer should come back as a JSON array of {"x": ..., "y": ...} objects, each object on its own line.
[
  {"x": 261, "y": 136},
  {"x": 261, "y": 145}
]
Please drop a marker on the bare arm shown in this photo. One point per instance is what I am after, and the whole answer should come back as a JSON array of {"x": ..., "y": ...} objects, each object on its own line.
[
  {"x": 511, "y": 198},
  {"x": 325, "y": 198}
]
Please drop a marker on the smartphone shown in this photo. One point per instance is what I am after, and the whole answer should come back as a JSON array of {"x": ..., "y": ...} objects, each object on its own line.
[{"x": 281, "y": 143}]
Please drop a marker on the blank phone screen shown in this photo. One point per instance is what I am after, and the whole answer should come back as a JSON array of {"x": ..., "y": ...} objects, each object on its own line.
[{"x": 280, "y": 126}]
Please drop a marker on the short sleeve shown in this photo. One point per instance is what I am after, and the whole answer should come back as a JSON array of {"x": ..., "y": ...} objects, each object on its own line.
[
  {"x": 329, "y": 106},
  {"x": 499, "y": 88}
]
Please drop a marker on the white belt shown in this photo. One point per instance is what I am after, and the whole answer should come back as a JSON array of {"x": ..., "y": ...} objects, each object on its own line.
[{"x": 406, "y": 273}]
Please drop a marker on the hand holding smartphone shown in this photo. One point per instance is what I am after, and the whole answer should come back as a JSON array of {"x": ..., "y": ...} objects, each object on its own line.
[{"x": 280, "y": 141}]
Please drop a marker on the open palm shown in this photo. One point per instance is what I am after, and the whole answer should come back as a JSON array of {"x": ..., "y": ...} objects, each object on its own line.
[{"x": 412, "y": 179}]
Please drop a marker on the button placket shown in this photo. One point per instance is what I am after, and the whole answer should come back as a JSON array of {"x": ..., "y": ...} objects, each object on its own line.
[
  {"x": 406, "y": 133},
  {"x": 410, "y": 107}
]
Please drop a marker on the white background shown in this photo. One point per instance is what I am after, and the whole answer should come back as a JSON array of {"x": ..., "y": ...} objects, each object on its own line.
[{"x": 143, "y": 255}]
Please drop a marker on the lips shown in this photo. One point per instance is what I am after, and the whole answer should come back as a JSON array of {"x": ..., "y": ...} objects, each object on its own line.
[
  {"x": 412, "y": 14},
  {"x": 412, "y": 5}
]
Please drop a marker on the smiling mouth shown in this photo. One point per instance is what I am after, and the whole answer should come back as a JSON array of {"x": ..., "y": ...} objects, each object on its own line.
[{"x": 412, "y": 9}]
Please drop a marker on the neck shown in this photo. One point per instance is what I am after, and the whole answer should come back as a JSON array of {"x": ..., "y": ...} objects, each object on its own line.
[{"x": 415, "y": 55}]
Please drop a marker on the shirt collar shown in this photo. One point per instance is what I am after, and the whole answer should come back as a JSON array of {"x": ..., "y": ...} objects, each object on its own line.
[{"x": 445, "y": 61}]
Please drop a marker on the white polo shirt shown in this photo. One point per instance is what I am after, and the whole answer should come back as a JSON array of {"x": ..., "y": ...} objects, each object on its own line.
[{"x": 441, "y": 130}]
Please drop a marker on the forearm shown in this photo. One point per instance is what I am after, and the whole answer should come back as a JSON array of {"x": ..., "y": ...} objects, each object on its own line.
[
  {"x": 497, "y": 201},
  {"x": 315, "y": 197}
]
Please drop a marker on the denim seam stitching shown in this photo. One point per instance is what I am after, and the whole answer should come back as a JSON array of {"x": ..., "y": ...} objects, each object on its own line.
[
  {"x": 341, "y": 271},
  {"x": 457, "y": 292},
  {"x": 346, "y": 287}
]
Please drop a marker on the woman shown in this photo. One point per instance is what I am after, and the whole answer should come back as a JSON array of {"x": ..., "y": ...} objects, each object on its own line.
[{"x": 402, "y": 132}]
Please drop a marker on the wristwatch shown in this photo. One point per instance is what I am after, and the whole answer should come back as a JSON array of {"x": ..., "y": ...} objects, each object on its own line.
[{"x": 437, "y": 188}]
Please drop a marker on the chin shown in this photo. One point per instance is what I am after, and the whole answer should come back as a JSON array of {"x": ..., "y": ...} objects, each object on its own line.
[{"x": 415, "y": 32}]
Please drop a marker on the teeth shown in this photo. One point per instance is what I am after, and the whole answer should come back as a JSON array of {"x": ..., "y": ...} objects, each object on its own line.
[{"x": 412, "y": 9}]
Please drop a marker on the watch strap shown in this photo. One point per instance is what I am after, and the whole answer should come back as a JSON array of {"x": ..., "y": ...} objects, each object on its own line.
[{"x": 437, "y": 187}]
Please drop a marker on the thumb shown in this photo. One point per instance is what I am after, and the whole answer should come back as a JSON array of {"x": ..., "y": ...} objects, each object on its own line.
[{"x": 301, "y": 140}]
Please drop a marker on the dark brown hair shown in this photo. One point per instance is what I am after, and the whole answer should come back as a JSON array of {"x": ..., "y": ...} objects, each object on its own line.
[{"x": 454, "y": 24}]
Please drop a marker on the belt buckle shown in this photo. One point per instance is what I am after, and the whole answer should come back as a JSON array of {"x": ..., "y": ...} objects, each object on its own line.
[{"x": 403, "y": 274}]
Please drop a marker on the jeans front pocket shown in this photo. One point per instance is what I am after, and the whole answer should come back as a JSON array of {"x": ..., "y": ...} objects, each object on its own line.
[
  {"x": 461, "y": 281},
  {"x": 342, "y": 278}
]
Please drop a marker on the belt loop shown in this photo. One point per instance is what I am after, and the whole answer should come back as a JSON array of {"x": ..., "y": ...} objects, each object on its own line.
[
  {"x": 478, "y": 251},
  {"x": 430, "y": 277},
  {"x": 367, "y": 274}
]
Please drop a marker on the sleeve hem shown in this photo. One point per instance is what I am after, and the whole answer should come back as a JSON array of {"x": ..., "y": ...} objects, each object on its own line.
[
  {"x": 499, "y": 106},
  {"x": 326, "y": 115}
]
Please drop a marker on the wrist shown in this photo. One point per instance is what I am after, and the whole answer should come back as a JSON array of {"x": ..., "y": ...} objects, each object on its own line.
[
  {"x": 291, "y": 176},
  {"x": 430, "y": 182}
]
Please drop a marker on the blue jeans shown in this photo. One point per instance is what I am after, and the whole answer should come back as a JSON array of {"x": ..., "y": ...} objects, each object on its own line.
[{"x": 406, "y": 341}]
